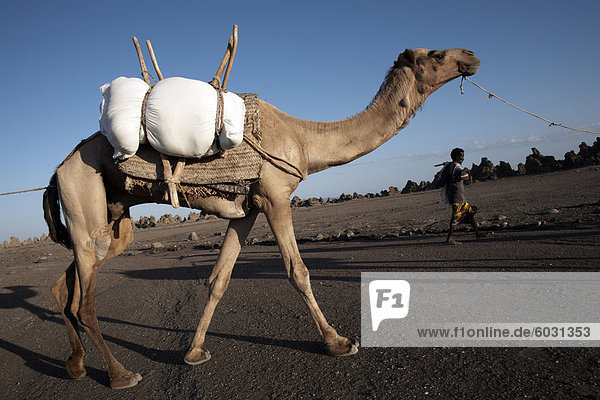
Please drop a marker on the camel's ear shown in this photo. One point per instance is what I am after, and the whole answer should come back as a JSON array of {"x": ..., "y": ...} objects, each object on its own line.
[{"x": 406, "y": 58}]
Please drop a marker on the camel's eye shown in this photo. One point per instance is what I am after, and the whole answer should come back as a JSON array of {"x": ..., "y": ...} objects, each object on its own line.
[{"x": 436, "y": 55}]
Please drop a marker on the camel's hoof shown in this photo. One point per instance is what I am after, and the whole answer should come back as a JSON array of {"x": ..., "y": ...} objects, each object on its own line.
[
  {"x": 75, "y": 369},
  {"x": 126, "y": 380},
  {"x": 197, "y": 356},
  {"x": 342, "y": 347}
]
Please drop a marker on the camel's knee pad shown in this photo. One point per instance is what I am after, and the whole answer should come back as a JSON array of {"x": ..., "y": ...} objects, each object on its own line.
[{"x": 101, "y": 242}]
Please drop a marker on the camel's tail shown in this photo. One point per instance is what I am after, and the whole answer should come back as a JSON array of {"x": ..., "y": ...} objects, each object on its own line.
[{"x": 58, "y": 232}]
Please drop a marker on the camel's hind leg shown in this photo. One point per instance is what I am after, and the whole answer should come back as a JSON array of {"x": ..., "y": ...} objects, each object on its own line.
[
  {"x": 94, "y": 241},
  {"x": 66, "y": 293}
]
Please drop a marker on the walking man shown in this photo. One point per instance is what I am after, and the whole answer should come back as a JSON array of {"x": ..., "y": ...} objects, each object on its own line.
[{"x": 462, "y": 212}]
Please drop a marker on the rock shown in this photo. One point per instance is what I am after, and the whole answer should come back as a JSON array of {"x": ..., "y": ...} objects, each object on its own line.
[
  {"x": 157, "y": 245},
  {"x": 573, "y": 160},
  {"x": 552, "y": 211},
  {"x": 521, "y": 170},
  {"x": 410, "y": 187},
  {"x": 504, "y": 170},
  {"x": 345, "y": 197},
  {"x": 585, "y": 152},
  {"x": 295, "y": 201},
  {"x": 319, "y": 237},
  {"x": 14, "y": 242},
  {"x": 313, "y": 201},
  {"x": 168, "y": 219},
  {"x": 536, "y": 162},
  {"x": 348, "y": 234},
  {"x": 193, "y": 237},
  {"x": 146, "y": 222},
  {"x": 484, "y": 171},
  {"x": 193, "y": 217}
]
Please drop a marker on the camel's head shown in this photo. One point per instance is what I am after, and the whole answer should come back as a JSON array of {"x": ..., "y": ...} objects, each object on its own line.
[{"x": 434, "y": 68}]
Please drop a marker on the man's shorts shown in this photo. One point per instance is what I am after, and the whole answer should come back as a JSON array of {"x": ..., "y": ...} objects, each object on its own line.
[{"x": 460, "y": 211}]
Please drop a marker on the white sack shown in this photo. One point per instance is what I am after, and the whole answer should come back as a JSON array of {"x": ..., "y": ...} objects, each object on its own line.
[
  {"x": 232, "y": 131},
  {"x": 234, "y": 112},
  {"x": 120, "y": 113},
  {"x": 180, "y": 118}
]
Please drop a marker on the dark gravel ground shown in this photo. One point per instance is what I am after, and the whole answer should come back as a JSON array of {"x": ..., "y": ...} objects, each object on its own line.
[{"x": 263, "y": 341}]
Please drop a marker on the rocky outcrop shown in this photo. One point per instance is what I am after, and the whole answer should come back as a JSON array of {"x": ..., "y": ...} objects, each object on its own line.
[
  {"x": 573, "y": 160},
  {"x": 485, "y": 171},
  {"x": 15, "y": 242},
  {"x": 169, "y": 219},
  {"x": 536, "y": 163},
  {"x": 590, "y": 155},
  {"x": 146, "y": 222},
  {"x": 194, "y": 216},
  {"x": 504, "y": 170},
  {"x": 298, "y": 202},
  {"x": 411, "y": 187}
]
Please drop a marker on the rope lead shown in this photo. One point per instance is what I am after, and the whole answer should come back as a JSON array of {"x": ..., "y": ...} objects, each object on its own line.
[
  {"x": 490, "y": 95},
  {"x": 25, "y": 191}
]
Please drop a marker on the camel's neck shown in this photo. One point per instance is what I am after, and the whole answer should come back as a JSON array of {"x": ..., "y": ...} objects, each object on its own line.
[{"x": 336, "y": 143}]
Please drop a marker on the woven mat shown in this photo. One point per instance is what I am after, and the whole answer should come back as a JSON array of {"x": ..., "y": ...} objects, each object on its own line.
[{"x": 239, "y": 164}]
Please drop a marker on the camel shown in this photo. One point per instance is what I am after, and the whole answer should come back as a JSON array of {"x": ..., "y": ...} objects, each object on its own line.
[{"x": 95, "y": 205}]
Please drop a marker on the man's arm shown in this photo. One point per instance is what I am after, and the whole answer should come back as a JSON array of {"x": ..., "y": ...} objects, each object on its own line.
[{"x": 461, "y": 174}]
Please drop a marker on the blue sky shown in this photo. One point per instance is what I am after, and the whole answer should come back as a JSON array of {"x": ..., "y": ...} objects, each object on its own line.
[{"x": 320, "y": 60}]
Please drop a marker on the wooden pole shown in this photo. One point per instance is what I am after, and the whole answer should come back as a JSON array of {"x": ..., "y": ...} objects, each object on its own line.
[
  {"x": 167, "y": 172},
  {"x": 233, "y": 50},
  {"x": 154, "y": 62},
  {"x": 168, "y": 177},
  {"x": 145, "y": 74},
  {"x": 217, "y": 78}
]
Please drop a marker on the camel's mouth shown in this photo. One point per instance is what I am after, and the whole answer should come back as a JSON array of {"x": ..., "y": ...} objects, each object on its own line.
[{"x": 468, "y": 69}]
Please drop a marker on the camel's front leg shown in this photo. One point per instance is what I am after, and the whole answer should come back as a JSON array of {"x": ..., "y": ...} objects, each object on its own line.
[
  {"x": 279, "y": 215},
  {"x": 237, "y": 231}
]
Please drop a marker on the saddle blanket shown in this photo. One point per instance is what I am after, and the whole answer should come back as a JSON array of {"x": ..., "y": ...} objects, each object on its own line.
[{"x": 242, "y": 163}]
